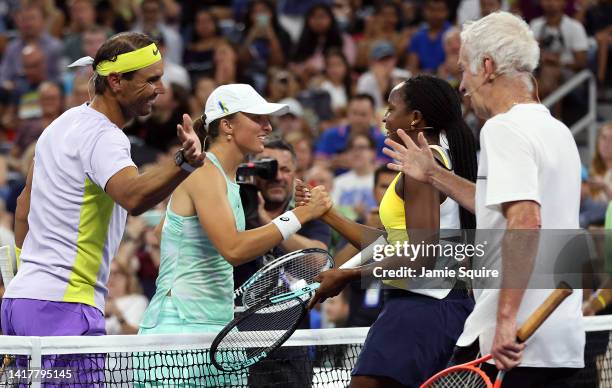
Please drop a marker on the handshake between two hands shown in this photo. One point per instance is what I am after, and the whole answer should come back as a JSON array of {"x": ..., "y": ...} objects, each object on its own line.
[{"x": 316, "y": 198}]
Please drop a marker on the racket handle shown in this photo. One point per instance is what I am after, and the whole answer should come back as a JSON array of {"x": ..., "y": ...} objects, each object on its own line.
[
  {"x": 364, "y": 255},
  {"x": 543, "y": 312}
]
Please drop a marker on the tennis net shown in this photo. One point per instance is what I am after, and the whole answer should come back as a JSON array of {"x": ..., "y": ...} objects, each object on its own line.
[{"x": 310, "y": 358}]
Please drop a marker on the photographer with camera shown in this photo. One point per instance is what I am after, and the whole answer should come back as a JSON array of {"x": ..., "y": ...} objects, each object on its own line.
[{"x": 272, "y": 195}]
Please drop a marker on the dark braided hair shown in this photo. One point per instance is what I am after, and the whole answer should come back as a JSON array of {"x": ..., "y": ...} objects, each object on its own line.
[{"x": 439, "y": 104}]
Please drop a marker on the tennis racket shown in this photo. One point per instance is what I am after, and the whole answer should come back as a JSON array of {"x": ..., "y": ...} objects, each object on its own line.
[
  {"x": 287, "y": 273},
  {"x": 267, "y": 324},
  {"x": 469, "y": 375}
]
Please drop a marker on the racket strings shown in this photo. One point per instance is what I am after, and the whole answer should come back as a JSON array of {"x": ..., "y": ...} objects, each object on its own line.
[
  {"x": 293, "y": 274},
  {"x": 464, "y": 378},
  {"x": 251, "y": 337}
]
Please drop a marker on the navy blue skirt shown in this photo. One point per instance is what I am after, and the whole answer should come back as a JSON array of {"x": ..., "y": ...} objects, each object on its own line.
[{"x": 413, "y": 337}]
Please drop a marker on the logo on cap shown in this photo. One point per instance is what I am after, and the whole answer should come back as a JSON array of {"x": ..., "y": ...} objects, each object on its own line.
[
  {"x": 155, "y": 52},
  {"x": 223, "y": 107}
]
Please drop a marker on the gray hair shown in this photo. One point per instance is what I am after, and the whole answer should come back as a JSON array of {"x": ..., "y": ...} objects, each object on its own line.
[{"x": 507, "y": 39}]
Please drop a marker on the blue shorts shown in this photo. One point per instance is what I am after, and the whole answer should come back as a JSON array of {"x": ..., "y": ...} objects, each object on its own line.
[{"x": 413, "y": 337}]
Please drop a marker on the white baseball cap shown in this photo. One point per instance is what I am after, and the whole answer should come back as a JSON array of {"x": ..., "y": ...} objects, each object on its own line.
[{"x": 233, "y": 98}]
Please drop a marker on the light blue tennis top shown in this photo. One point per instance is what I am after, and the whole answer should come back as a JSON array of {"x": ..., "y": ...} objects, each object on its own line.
[{"x": 200, "y": 279}]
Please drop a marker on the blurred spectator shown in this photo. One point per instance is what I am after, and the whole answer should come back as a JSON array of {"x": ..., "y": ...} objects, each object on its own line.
[
  {"x": 382, "y": 75},
  {"x": 597, "y": 184},
  {"x": 173, "y": 72},
  {"x": 139, "y": 249},
  {"x": 336, "y": 310},
  {"x": 320, "y": 33},
  {"x": 116, "y": 15},
  {"x": 264, "y": 43},
  {"x": 598, "y": 23},
  {"x": 331, "y": 146},
  {"x": 227, "y": 69},
  {"x": 337, "y": 80},
  {"x": 29, "y": 130},
  {"x": 17, "y": 184},
  {"x": 530, "y": 9},
  {"x": 471, "y": 10},
  {"x": 320, "y": 176},
  {"x": 202, "y": 89},
  {"x": 198, "y": 58},
  {"x": 80, "y": 92},
  {"x": 281, "y": 84},
  {"x": 383, "y": 177},
  {"x": 303, "y": 147},
  {"x": 449, "y": 70},
  {"x": 125, "y": 304},
  {"x": 563, "y": 45},
  {"x": 355, "y": 188},
  {"x": 82, "y": 18},
  {"x": 293, "y": 120},
  {"x": 158, "y": 130},
  {"x": 92, "y": 39},
  {"x": 152, "y": 23},
  {"x": 426, "y": 52},
  {"x": 24, "y": 100},
  {"x": 346, "y": 15},
  {"x": 31, "y": 24},
  {"x": 385, "y": 24}
]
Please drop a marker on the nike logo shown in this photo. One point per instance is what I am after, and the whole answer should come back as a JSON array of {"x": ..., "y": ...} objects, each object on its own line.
[{"x": 155, "y": 52}]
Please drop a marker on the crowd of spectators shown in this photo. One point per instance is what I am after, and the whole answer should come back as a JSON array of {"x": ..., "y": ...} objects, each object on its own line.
[{"x": 333, "y": 62}]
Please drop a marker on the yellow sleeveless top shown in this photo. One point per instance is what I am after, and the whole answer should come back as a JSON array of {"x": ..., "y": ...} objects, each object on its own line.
[
  {"x": 391, "y": 208},
  {"x": 393, "y": 215}
]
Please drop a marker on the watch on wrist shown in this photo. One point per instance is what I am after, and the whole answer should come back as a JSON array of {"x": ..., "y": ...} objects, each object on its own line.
[{"x": 180, "y": 161}]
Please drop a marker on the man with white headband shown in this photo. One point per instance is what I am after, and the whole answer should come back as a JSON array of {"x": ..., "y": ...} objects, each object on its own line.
[{"x": 71, "y": 215}]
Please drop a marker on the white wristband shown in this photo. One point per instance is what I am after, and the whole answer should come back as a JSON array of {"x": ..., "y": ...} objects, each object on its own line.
[{"x": 287, "y": 223}]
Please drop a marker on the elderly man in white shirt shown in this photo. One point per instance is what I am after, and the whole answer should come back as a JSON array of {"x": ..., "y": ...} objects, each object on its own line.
[{"x": 528, "y": 179}]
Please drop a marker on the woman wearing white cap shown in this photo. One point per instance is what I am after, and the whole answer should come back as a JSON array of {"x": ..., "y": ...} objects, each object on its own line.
[{"x": 203, "y": 234}]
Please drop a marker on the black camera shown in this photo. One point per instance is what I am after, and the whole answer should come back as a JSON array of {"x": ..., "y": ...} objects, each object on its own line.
[
  {"x": 263, "y": 168},
  {"x": 245, "y": 176}
]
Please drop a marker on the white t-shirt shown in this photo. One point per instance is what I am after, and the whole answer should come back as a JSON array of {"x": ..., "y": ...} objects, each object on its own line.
[
  {"x": 528, "y": 155},
  {"x": 339, "y": 99},
  {"x": 350, "y": 189},
  {"x": 568, "y": 38},
  {"x": 132, "y": 307},
  {"x": 75, "y": 227}
]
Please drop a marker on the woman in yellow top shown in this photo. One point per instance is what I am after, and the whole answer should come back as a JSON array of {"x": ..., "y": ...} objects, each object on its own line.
[{"x": 415, "y": 333}]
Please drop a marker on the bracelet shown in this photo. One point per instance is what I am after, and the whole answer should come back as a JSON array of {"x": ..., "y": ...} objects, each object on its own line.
[
  {"x": 287, "y": 223},
  {"x": 602, "y": 300}
]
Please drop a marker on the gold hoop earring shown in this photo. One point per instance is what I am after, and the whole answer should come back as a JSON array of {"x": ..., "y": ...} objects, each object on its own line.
[{"x": 412, "y": 124}]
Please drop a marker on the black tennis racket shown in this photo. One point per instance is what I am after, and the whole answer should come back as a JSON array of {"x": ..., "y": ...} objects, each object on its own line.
[
  {"x": 287, "y": 273},
  {"x": 267, "y": 324}
]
